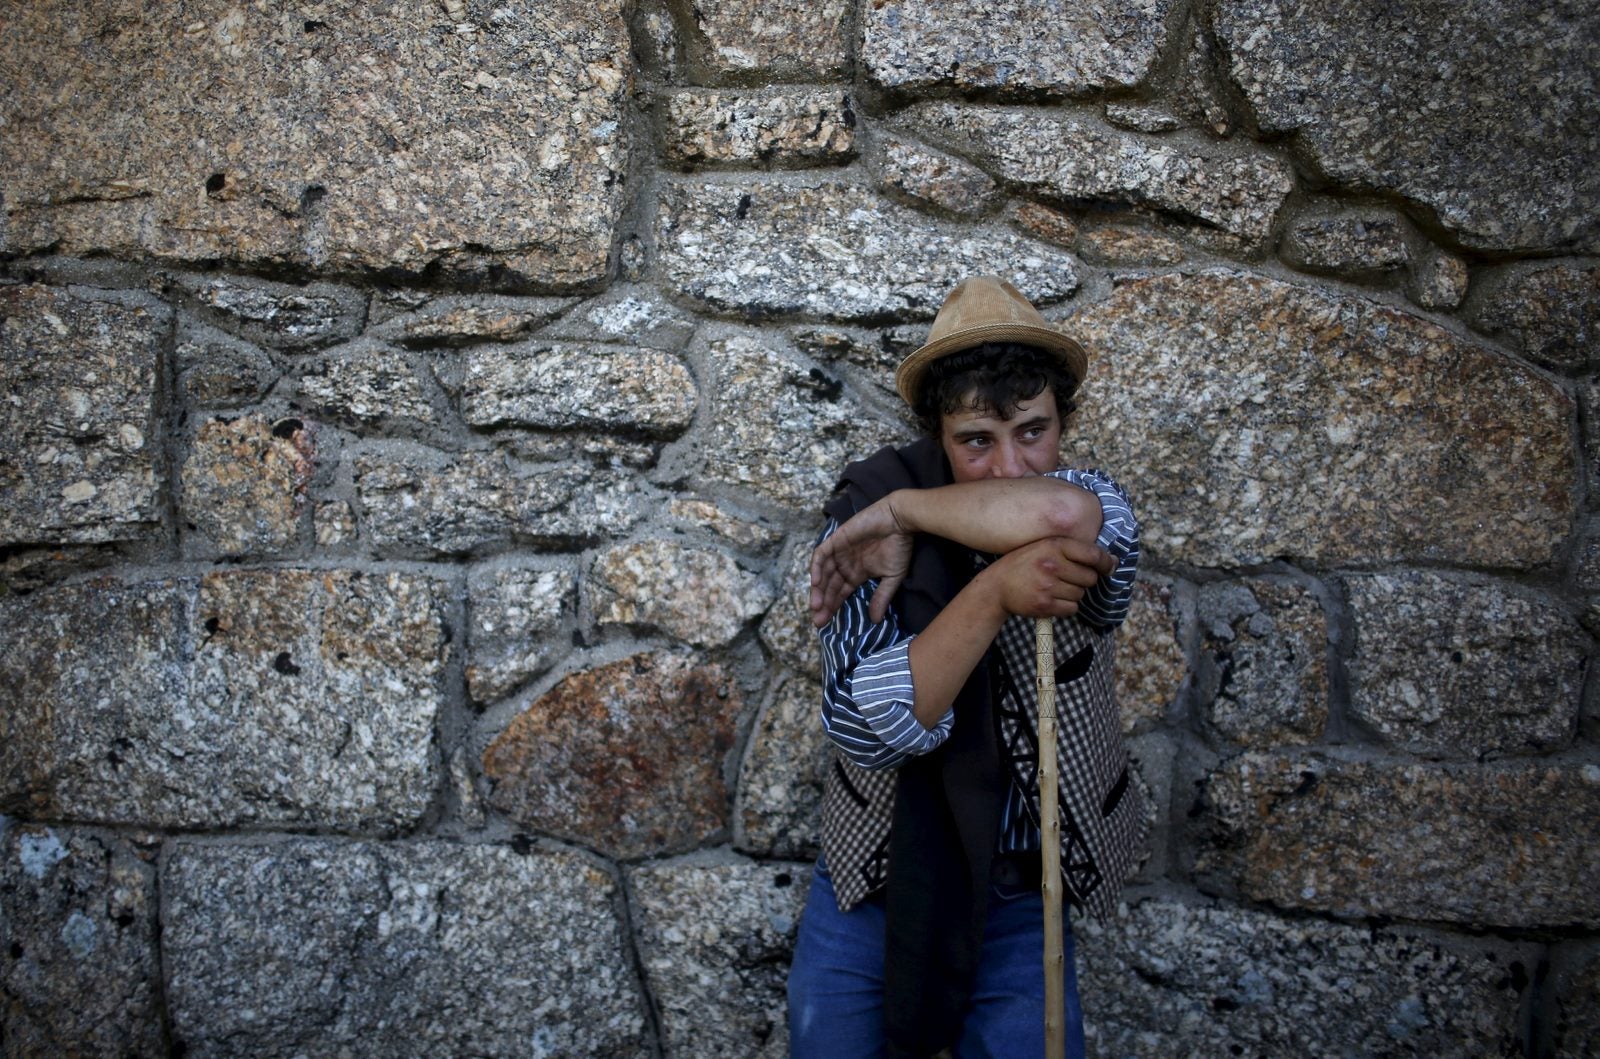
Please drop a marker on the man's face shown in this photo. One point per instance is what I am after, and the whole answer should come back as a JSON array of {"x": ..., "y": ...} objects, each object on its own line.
[{"x": 980, "y": 445}]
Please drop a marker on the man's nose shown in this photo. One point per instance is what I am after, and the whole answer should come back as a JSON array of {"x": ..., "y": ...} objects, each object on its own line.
[{"x": 1007, "y": 462}]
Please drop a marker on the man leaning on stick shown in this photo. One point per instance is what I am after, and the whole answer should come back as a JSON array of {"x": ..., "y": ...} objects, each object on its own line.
[{"x": 923, "y": 929}]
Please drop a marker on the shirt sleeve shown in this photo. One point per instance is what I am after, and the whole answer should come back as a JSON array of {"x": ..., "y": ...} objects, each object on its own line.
[
  {"x": 866, "y": 686},
  {"x": 1105, "y": 605}
]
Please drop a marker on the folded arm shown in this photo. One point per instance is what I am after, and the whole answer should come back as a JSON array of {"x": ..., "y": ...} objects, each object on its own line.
[{"x": 995, "y": 516}]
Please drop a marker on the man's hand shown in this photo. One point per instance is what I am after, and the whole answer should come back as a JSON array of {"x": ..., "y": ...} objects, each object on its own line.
[
  {"x": 1047, "y": 579},
  {"x": 871, "y": 544}
]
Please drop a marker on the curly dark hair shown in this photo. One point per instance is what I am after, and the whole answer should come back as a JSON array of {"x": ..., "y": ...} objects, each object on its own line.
[{"x": 993, "y": 375}]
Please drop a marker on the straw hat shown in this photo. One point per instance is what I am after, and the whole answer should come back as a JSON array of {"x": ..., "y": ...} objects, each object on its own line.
[{"x": 985, "y": 309}]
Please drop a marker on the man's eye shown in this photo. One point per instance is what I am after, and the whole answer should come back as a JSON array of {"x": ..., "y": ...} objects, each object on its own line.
[{"x": 1033, "y": 433}]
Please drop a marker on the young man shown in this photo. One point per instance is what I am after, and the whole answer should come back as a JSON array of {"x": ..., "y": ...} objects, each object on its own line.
[{"x": 923, "y": 928}]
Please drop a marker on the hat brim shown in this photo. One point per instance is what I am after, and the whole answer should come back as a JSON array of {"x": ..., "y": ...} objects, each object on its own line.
[{"x": 908, "y": 377}]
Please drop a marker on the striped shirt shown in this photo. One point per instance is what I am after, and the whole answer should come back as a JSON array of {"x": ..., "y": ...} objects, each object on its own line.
[{"x": 866, "y": 667}]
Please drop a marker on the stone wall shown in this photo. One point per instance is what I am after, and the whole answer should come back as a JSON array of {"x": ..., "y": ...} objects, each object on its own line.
[{"x": 415, "y": 416}]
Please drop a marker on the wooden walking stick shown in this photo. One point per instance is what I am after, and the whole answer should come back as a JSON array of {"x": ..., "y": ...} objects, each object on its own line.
[{"x": 1055, "y": 1031}]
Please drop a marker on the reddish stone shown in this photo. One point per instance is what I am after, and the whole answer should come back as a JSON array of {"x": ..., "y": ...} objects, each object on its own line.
[{"x": 626, "y": 758}]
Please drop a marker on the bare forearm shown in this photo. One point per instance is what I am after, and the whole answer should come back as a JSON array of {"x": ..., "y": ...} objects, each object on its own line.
[
  {"x": 999, "y": 515},
  {"x": 944, "y": 654}
]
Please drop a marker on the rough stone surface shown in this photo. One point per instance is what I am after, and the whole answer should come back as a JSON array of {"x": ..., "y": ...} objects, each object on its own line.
[
  {"x": 464, "y": 321},
  {"x": 1122, "y": 245},
  {"x": 1358, "y": 243},
  {"x": 281, "y": 315},
  {"x": 1076, "y": 159},
  {"x": 779, "y": 810},
  {"x": 715, "y": 941},
  {"x": 370, "y": 384},
  {"x": 1150, "y": 667},
  {"x": 79, "y": 457},
  {"x": 629, "y": 315},
  {"x": 276, "y": 697},
  {"x": 1476, "y": 113},
  {"x": 420, "y": 500},
  {"x": 78, "y": 929},
  {"x": 1259, "y": 419},
  {"x": 748, "y": 534},
  {"x": 782, "y": 127},
  {"x": 626, "y": 757},
  {"x": 912, "y": 172},
  {"x": 244, "y": 483},
  {"x": 1045, "y": 223},
  {"x": 556, "y": 386},
  {"x": 334, "y": 523},
  {"x": 697, "y": 595},
  {"x": 1014, "y": 47},
  {"x": 516, "y": 619},
  {"x": 313, "y": 700},
  {"x": 217, "y": 370},
  {"x": 386, "y": 136},
  {"x": 1372, "y": 839},
  {"x": 1167, "y": 978},
  {"x": 380, "y": 949},
  {"x": 832, "y": 249},
  {"x": 1438, "y": 280},
  {"x": 1551, "y": 313},
  {"x": 1577, "y": 1003},
  {"x": 1263, "y": 662},
  {"x": 808, "y": 428},
  {"x": 1463, "y": 669},
  {"x": 803, "y": 38},
  {"x": 787, "y": 630}
]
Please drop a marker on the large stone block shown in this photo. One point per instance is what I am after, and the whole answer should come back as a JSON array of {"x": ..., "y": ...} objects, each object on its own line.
[
  {"x": 1470, "y": 112},
  {"x": 1150, "y": 665},
  {"x": 244, "y": 483},
  {"x": 1166, "y": 978},
  {"x": 1256, "y": 419},
  {"x": 783, "y": 38},
  {"x": 1453, "y": 668},
  {"x": 1263, "y": 665},
  {"x": 627, "y": 315},
  {"x": 1078, "y": 158},
  {"x": 832, "y": 249},
  {"x": 1515, "y": 846},
  {"x": 779, "y": 808},
  {"x": 715, "y": 940},
  {"x": 1013, "y": 46},
  {"x": 382, "y": 949},
  {"x": 79, "y": 452},
  {"x": 515, "y": 626},
  {"x": 928, "y": 178},
  {"x": 1358, "y": 243},
  {"x": 626, "y": 757},
  {"x": 1551, "y": 313},
  {"x": 217, "y": 370},
  {"x": 280, "y": 315},
  {"x": 808, "y": 427},
  {"x": 417, "y": 500},
  {"x": 561, "y": 386},
  {"x": 369, "y": 383},
  {"x": 274, "y": 698},
  {"x": 464, "y": 320},
  {"x": 783, "y": 127},
  {"x": 472, "y": 139},
  {"x": 79, "y": 973},
  {"x": 787, "y": 630},
  {"x": 697, "y": 595}
]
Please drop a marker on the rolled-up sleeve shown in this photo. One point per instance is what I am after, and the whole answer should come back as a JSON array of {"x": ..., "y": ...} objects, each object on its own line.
[
  {"x": 867, "y": 689},
  {"x": 1105, "y": 605}
]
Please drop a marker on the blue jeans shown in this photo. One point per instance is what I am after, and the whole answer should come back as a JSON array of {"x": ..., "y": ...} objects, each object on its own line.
[{"x": 836, "y": 981}]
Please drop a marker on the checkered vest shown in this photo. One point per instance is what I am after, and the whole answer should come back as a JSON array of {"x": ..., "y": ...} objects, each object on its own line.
[{"x": 1103, "y": 803}]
